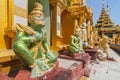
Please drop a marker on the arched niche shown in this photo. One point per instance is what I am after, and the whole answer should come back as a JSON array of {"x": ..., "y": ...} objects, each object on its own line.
[{"x": 67, "y": 26}]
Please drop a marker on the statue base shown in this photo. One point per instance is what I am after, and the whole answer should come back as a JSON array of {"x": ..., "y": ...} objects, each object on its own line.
[
  {"x": 67, "y": 70},
  {"x": 76, "y": 56},
  {"x": 50, "y": 75},
  {"x": 92, "y": 52},
  {"x": 84, "y": 57},
  {"x": 70, "y": 69}
]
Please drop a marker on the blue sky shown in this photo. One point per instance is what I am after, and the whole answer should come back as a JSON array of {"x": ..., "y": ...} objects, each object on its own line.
[{"x": 114, "y": 5}]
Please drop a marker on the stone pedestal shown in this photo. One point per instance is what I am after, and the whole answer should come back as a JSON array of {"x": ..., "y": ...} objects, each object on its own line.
[
  {"x": 77, "y": 56},
  {"x": 84, "y": 57},
  {"x": 65, "y": 69},
  {"x": 70, "y": 69},
  {"x": 92, "y": 53},
  {"x": 51, "y": 75}
]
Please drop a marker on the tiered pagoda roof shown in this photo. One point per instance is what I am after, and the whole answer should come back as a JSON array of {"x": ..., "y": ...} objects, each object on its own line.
[{"x": 104, "y": 20}]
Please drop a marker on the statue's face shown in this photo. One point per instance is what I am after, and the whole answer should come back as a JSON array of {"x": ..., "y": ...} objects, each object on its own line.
[
  {"x": 38, "y": 19},
  {"x": 77, "y": 33}
]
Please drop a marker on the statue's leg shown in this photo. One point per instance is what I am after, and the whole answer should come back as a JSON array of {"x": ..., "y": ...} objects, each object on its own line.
[
  {"x": 51, "y": 57},
  {"x": 22, "y": 51},
  {"x": 73, "y": 49}
]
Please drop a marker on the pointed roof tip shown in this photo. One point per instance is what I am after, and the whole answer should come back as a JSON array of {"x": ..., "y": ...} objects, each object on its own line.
[{"x": 103, "y": 3}]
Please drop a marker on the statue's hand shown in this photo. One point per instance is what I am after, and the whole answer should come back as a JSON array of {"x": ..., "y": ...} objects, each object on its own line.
[
  {"x": 37, "y": 36},
  {"x": 29, "y": 32}
]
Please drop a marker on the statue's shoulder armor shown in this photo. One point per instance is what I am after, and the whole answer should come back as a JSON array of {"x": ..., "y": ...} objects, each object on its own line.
[
  {"x": 18, "y": 28},
  {"x": 25, "y": 29}
]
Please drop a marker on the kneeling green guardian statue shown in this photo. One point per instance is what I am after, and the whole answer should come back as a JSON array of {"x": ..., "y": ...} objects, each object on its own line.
[
  {"x": 31, "y": 45},
  {"x": 76, "y": 44}
]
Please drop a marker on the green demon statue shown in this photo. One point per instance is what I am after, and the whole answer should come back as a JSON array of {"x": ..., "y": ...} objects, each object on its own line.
[{"x": 31, "y": 45}]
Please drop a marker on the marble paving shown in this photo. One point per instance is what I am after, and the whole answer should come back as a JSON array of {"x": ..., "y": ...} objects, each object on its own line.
[{"x": 106, "y": 70}]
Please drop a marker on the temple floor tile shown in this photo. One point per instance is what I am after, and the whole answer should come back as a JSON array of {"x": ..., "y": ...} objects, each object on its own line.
[{"x": 106, "y": 70}]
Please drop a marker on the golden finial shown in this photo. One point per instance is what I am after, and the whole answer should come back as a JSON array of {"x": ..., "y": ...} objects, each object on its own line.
[
  {"x": 103, "y": 3},
  {"x": 38, "y": 6}
]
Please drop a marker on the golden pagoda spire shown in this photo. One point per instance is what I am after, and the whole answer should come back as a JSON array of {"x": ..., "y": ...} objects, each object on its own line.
[
  {"x": 104, "y": 23},
  {"x": 108, "y": 9},
  {"x": 103, "y": 3}
]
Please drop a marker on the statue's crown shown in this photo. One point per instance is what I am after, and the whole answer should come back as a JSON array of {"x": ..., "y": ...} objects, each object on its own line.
[{"x": 38, "y": 9}]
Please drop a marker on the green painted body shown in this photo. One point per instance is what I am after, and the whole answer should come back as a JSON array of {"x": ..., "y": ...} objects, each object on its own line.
[
  {"x": 76, "y": 45},
  {"x": 22, "y": 48},
  {"x": 24, "y": 44}
]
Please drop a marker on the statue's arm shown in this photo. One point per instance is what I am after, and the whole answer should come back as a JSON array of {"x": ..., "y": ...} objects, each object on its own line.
[
  {"x": 44, "y": 42},
  {"x": 45, "y": 45},
  {"x": 72, "y": 42},
  {"x": 21, "y": 36},
  {"x": 25, "y": 34},
  {"x": 81, "y": 44}
]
